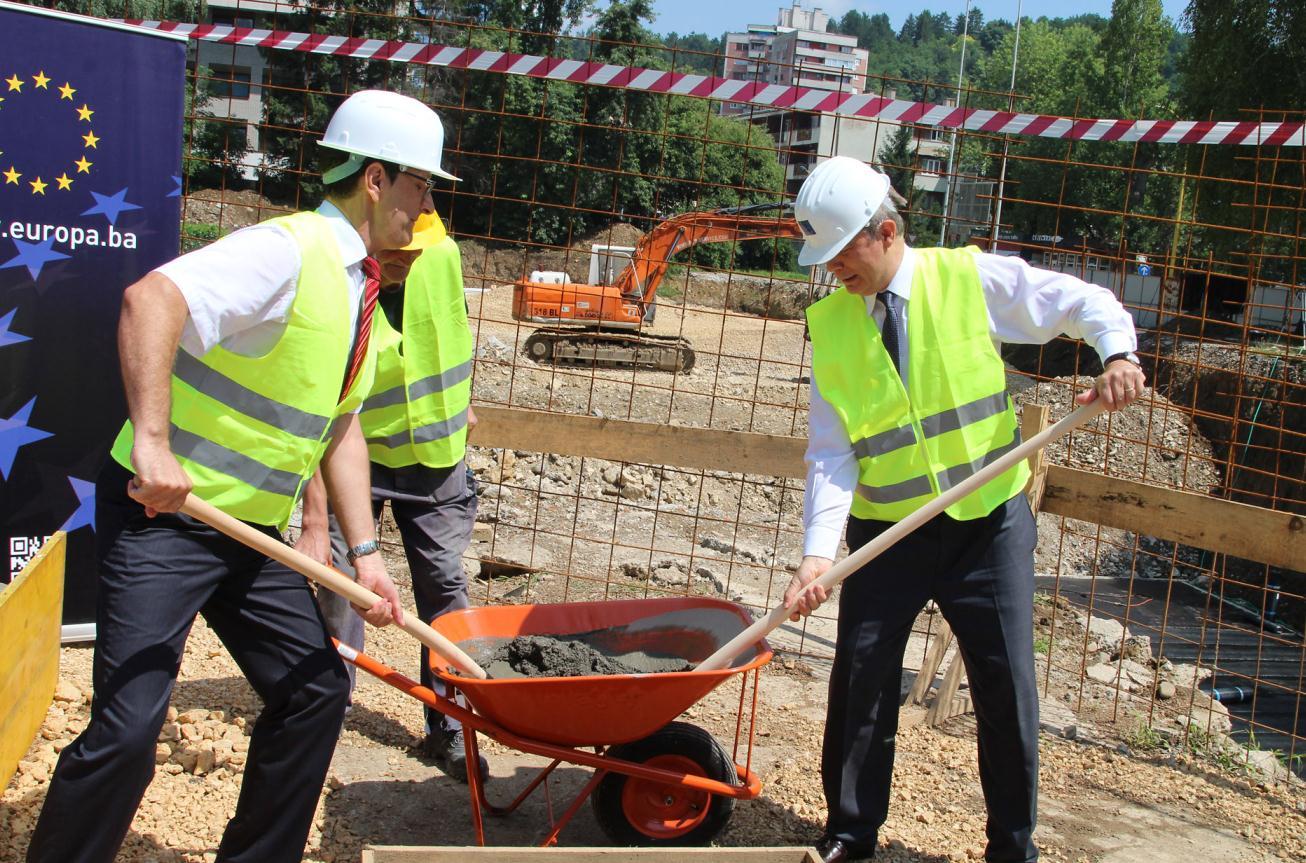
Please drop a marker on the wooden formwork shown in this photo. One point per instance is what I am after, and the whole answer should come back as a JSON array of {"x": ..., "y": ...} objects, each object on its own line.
[
  {"x": 415, "y": 854},
  {"x": 31, "y": 609}
]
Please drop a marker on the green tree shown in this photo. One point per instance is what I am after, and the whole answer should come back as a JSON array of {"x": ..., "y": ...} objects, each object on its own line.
[{"x": 1246, "y": 60}]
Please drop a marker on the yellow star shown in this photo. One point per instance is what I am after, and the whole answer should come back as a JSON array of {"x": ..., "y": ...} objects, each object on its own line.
[
  {"x": 91, "y": 140},
  {"x": 41, "y": 82},
  {"x": 84, "y": 113},
  {"x": 64, "y": 181},
  {"x": 83, "y": 166},
  {"x": 15, "y": 83},
  {"x": 38, "y": 188},
  {"x": 11, "y": 176},
  {"x": 66, "y": 91}
]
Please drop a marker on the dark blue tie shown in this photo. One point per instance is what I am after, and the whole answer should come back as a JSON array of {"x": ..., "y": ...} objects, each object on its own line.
[{"x": 892, "y": 333}]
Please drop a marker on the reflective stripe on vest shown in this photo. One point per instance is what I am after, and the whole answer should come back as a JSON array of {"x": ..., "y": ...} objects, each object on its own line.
[
  {"x": 250, "y": 431},
  {"x": 912, "y": 444},
  {"x": 417, "y": 412}
]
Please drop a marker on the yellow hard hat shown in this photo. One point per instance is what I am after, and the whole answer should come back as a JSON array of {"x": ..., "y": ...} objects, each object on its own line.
[{"x": 427, "y": 231}]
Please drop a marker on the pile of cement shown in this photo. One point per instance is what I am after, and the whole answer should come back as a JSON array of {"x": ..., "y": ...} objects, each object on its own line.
[{"x": 568, "y": 656}]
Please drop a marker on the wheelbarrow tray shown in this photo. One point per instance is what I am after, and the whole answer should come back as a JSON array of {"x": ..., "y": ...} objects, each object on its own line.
[{"x": 607, "y": 709}]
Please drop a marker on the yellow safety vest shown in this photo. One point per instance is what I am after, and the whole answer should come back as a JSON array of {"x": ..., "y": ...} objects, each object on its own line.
[
  {"x": 250, "y": 431},
  {"x": 953, "y": 418},
  {"x": 416, "y": 412}
]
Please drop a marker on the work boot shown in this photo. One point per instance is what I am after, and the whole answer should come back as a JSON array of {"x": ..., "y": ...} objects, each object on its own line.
[{"x": 448, "y": 749}]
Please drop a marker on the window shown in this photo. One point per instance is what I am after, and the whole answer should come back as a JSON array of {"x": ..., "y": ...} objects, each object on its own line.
[
  {"x": 229, "y": 82},
  {"x": 935, "y": 133},
  {"x": 932, "y": 166}
]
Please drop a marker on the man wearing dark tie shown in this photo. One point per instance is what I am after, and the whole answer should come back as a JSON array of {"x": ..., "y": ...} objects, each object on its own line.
[{"x": 908, "y": 398}]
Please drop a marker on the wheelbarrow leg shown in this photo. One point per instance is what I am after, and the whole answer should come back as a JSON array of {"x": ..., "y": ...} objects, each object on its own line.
[
  {"x": 474, "y": 784},
  {"x": 552, "y": 838}
]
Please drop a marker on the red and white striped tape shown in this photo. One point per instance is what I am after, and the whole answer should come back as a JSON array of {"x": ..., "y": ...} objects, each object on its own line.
[{"x": 863, "y": 106}]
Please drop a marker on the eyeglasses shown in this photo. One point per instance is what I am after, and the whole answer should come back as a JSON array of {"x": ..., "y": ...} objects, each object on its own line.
[{"x": 427, "y": 181}]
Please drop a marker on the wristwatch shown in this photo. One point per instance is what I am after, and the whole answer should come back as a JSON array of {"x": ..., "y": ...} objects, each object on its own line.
[
  {"x": 1124, "y": 355},
  {"x": 363, "y": 549}
]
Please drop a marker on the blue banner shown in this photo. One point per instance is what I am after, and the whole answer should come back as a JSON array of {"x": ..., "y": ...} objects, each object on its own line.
[{"x": 90, "y": 200}]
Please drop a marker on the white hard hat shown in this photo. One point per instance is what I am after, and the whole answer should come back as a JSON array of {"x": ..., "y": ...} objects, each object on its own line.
[
  {"x": 835, "y": 202},
  {"x": 378, "y": 124}
]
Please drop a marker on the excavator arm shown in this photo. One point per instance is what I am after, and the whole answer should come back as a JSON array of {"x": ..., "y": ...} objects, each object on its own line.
[{"x": 652, "y": 258}]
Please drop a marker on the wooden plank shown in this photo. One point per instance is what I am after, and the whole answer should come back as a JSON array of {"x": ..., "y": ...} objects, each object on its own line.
[
  {"x": 1252, "y": 532},
  {"x": 930, "y": 667},
  {"x": 942, "y": 707},
  {"x": 1033, "y": 419},
  {"x": 30, "y": 612},
  {"x": 420, "y": 854},
  {"x": 638, "y": 442}
]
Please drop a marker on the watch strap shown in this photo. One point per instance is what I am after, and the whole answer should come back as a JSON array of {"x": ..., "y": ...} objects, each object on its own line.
[{"x": 363, "y": 548}]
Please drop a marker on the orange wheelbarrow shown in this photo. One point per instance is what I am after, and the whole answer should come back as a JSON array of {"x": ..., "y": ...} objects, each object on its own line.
[{"x": 656, "y": 781}]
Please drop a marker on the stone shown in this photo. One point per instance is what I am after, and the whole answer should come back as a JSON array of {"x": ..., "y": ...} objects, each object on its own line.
[
  {"x": 67, "y": 691},
  {"x": 1110, "y": 631},
  {"x": 1165, "y": 690}
]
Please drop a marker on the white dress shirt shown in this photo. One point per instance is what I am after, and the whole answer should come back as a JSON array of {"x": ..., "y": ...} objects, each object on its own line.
[
  {"x": 239, "y": 290},
  {"x": 1026, "y": 305}
]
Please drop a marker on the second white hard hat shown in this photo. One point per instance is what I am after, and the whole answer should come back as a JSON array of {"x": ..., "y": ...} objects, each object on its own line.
[
  {"x": 378, "y": 124},
  {"x": 836, "y": 201}
]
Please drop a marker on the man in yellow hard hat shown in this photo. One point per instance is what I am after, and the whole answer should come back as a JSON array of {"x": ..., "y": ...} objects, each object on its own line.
[{"x": 415, "y": 421}]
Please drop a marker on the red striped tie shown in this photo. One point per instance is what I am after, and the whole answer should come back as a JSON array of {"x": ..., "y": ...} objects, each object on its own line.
[{"x": 371, "y": 290}]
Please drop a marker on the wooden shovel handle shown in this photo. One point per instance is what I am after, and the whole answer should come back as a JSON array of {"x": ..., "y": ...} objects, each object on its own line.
[
  {"x": 331, "y": 579},
  {"x": 859, "y": 558}
]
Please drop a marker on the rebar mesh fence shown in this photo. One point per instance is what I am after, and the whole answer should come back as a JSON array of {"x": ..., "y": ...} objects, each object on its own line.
[{"x": 1201, "y": 242}]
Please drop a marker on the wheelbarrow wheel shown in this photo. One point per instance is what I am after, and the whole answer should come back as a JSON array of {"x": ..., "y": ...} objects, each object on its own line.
[{"x": 634, "y": 811}]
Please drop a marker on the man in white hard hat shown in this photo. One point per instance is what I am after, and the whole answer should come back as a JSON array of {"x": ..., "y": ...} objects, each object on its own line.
[
  {"x": 415, "y": 421},
  {"x": 909, "y": 398},
  {"x": 244, "y": 364}
]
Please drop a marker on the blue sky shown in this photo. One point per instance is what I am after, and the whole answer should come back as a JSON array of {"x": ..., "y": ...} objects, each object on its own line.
[{"x": 719, "y": 16}]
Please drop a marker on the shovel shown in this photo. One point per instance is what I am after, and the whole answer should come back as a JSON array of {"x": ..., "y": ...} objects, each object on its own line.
[
  {"x": 859, "y": 558},
  {"x": 332, "y": 580}
]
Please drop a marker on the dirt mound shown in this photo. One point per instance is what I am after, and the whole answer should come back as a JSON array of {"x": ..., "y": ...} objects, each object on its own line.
[{"x": 228, "y": 209}]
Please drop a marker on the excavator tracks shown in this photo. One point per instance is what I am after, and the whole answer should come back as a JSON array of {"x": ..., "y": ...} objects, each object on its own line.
[{"x": 620, "y": 350}]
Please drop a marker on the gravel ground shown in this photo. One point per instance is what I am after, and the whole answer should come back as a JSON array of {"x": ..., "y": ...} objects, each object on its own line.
[{"x": 1097, "y": 804}]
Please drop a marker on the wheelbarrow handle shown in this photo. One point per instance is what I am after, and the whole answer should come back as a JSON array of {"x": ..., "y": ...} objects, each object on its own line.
[
  {"x": 333, "y": 580},
  {"x": 859, "y": 558}
]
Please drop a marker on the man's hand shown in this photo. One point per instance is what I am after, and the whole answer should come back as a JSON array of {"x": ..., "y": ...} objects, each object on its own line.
[
  {"x": 803, "y": 596},
  {"x": 160, "y": 484},
  {"x": 471, "y": 420},
  {"x": 1118, "y": 386},
  {"x": 372, "y": 575},
  {"x": 316, "y": 543}
]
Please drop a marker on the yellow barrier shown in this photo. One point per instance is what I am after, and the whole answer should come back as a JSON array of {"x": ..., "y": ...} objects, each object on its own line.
[{"x": 31, "y": 609}]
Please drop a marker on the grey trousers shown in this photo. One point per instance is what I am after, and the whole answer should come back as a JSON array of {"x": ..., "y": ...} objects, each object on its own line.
[
  {"x": 435, "y": 509},
  {"x": 981, "y": 573}
]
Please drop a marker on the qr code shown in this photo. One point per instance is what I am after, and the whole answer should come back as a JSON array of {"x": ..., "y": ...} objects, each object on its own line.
[{"x": 21, "y": 550}]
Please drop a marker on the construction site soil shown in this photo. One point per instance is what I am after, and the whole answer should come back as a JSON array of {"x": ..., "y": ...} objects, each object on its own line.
[{"x": 1136, "y": 761}]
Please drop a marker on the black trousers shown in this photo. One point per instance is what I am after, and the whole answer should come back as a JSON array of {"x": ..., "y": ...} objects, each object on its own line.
[
  {"x": 156, "y": 574},
  {"x": 981, "y": 574}
]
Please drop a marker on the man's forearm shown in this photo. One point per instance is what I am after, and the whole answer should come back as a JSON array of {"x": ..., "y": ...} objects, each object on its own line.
[
  {"x": 348, "y": 479},
  {"x": 149, "y": 330},
  {"x": 315, "y": 503}
]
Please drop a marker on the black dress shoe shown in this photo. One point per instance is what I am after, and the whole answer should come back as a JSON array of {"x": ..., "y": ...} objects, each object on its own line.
[{"x": 832, "y": 850}]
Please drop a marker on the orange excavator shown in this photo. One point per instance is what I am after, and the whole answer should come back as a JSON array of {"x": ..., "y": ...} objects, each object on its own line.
[{"x": 600, "y": 324}]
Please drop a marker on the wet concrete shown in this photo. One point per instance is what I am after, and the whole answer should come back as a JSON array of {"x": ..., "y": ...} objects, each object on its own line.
[{"x": 669, "y": 642}]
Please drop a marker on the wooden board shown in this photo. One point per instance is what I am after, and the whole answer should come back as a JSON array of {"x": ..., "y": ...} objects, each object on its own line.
[
  {"x": 31, "y": 609},
  {"x": 1252, "y": 532},
  {"x": 638, "y": 442},
  {"x": 1255, "y": 533},
  {"x": 414, "y": 854}
]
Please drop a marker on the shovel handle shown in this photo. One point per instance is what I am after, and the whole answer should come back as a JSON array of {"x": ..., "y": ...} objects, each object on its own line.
[
  {"x": 333, "y": 580},
  {"x": 859, "y": 558}
]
